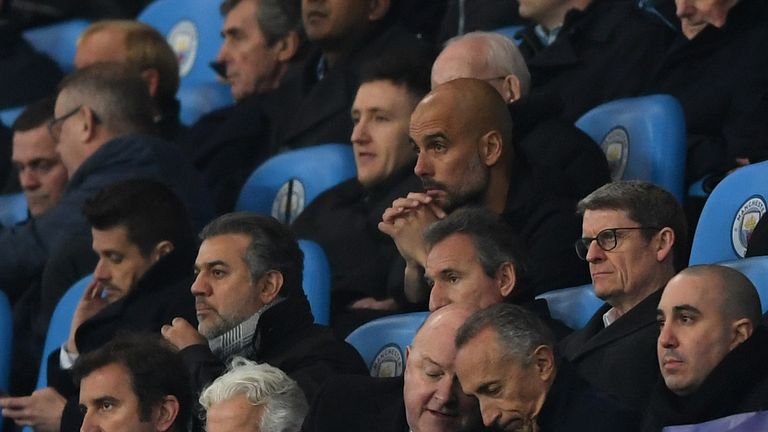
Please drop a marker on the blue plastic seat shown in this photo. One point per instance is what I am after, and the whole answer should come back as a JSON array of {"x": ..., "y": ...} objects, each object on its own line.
[
  {"x": 382, "y": 342},
  {"x": 58, "y": 328},
  {"x": 573, "y": 306},
  {"x": 8, "y": 115},
  {"x": 756, "y": 270},
  {"x": 58, "y": 41},
  {"x": 285, "y": 184},
  {"x": 643, "y": 139},
  {"x": 730, "y": 215},
  {"x": 510, "y": 32},
  {"x": 192, "y": 28},
  {"x": 317, "y": 281},
  {"x": 6, "y": 342},
  {"x": 13, "y": 209}
]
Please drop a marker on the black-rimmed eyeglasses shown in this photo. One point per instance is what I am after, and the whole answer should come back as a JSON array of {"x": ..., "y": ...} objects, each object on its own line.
[
  {"x": 606, "y": 239},
  {"x": 54, "y": 126}
]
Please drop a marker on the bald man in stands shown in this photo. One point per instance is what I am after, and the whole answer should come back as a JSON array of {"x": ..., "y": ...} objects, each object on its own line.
[{"x": 462, "y": 133}]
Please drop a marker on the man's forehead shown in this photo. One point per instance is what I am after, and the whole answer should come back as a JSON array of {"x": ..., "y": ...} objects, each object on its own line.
[{"x": 34, "y": 143}]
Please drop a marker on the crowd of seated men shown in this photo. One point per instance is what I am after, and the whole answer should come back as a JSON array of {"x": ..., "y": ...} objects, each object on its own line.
[{"x": 472, "y": 186}]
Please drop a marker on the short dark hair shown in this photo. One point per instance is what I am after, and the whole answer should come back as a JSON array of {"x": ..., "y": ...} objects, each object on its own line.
[
  {"x": 494, "y": 240},
  {"x": 115, "y": 92},
  {"x": 518, "y": 330},
  {"x": 127, "y": 203},
  {"x": 156, "y": 370},
  {"x": 647, "y": 204},
  {"x": 36, "y": 114},
  {"x": 409, "y": 68},
  {"x": 273, "y": 247},
  {"x": 276, "y": 18}
]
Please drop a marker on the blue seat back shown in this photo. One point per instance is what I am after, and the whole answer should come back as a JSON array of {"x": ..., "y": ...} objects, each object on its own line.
[
  {"x": 8, "y": 115},
  {"x": 743, "y": 422},
  {"x": 510, "y": 32},
  {"x": 643, "y": 139},
  {"x": 382, "y": 342},
  {"x": 756, "y": 270},
  {"x": 730, "y": 215},
  {"x": 285, "y": 184},
  {"x": 58, "y": 41},
  {"x": 573, "y": 306},
  {"x": 317, "y": 281},
  {"x": 58, "y": 328},
  {"x": 192, "y": 28},
  {"x": 6, "y": 343},
  {"x": 13, "y": 209}
]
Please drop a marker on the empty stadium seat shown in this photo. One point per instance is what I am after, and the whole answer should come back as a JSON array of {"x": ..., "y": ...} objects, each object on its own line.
[
  {"x": 192, "y": 28},
  {"x": 574, "y": 306},
  {"x": 13, "y": 209},
  {"x": 317, "y": 281},
  {"x": 58, "y": 41},
  {"x": 58, "y": 328},
  {"x": 382, "y": 342},
  {"x": 756, "y": 270},
  {"x": 643, "y": 139},
  {"x": 730, "y": 215},
  {"x": 285, "y": 184}
]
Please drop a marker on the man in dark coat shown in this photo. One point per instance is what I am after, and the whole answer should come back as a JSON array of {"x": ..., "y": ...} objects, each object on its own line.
[
  {"x": 366, "y": 270},
  {"x": 506, "y": 359},
  {"x": 583, "y": 53},
  {"x": 102, "y": 112},
  {"x": 634, "y": 238},
  {"x": 261, "y": 39},
  {"x": 426, "y": 399},
  {"x": 711, "y": 349},
  {"x": 250, "y": 302},
  {"x": 463, "y": 134},
  {"x": 312, "y": 105},
  {"x": 139, "y": 284}
]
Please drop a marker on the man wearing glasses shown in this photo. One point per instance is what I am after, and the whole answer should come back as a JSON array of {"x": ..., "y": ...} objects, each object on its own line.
[{"x": 634, "y": 239}]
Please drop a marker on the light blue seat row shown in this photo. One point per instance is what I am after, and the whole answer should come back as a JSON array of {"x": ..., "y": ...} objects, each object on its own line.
[
  {"x": 643, "y": 139},
  {"x": 8, "y": 115},
  {"x": 573, "y": 306},
  {"x": 58, "y": 41},
  {"x": 317, "y": 281},
  {"x": 13, "y": 209},
  {"x": 382, "y": 342},
  {"x": 285, "y": 184}
]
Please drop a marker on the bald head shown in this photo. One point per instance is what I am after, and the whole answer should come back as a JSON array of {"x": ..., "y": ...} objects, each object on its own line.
[
  {"x": 738, "y": 296},
  {"x": 486, "y": 56},
  {"x": 441, "y": 326}
]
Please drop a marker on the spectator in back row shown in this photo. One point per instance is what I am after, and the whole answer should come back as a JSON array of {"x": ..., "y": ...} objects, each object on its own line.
[
  {"x": 139, "y": 283},
  {"x": 102, "y": 112},
  {"x": 366, "y": 270},
  {"x": 463, "y": 134},
  {"x": 634, "y": 239},
  {"x": 261, "y": 39},
  {"x": 711, "y": 349},
  {"x": 141, "y": 46},
  {"x": 313, "y": 102}
]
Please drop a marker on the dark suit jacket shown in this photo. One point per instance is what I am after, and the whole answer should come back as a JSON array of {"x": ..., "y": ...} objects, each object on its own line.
[
  {"x": 161, "y": 295},
  {"x": 352, "y": 403},
  {"x": 620, "y": 359}
]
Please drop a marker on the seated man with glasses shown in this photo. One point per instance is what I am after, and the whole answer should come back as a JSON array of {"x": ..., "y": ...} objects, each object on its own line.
[{"x": 634, "y": 239}]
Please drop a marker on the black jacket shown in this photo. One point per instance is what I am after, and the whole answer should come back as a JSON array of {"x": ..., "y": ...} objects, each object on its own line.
[
  {"x": 737, "y": 385},
  {"x": 619, "y": 359},
  {"x": 159, "y": 296}
]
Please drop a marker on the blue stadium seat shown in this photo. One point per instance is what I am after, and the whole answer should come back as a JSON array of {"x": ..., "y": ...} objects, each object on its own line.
[
  {"x": 730, "y": 215},
  {"x": 58, "y": 41},
  {"x": 743, "y": 422},
  {"x": 8, "y": 115},
  {"x": 643, "y": 139},
  {"x": 192, "y": 28},
  {"x": 6, "y": 341},
  {"x": 317, "y": 281},
  {"x": 756, "y": 270},
  {"x": 382, "y": 342},
  {"x": 13, "y": 209},
  {"x": 58, "y": 329},
  {"x": 510, "y": 32},
  {"x": 574, "y": 306},
  {"x": 285, "y": 184}
]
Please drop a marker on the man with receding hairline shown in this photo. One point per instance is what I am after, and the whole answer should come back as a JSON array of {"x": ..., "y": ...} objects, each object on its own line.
[
  {"x": 462, "y": 133},
  {"x": 712, "y": 351}
]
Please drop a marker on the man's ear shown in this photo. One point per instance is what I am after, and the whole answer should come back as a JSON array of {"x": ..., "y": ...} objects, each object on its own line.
[
  {"x": 270, "y": 285},
  {"x": 160, "y": 250},
  {"x": 287, "y": 46},
  {"x": 151, "y": 76},
  {"x": 491, "y": 146},
  {"x": 544, "y": 362},
  {"x": 742, "y": 330},
  {"x": 377, "y": 9},
  {"x": 664, "y": 243},
  {"x": 511, "y": 89},
  {"x": 88, "y": 129},
  {"x": 506, "y": 279},
  {"x": 166, "y": 413}
]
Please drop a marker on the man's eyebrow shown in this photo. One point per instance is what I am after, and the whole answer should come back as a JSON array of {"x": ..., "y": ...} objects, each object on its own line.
[{"x": 686, "y": 308}]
